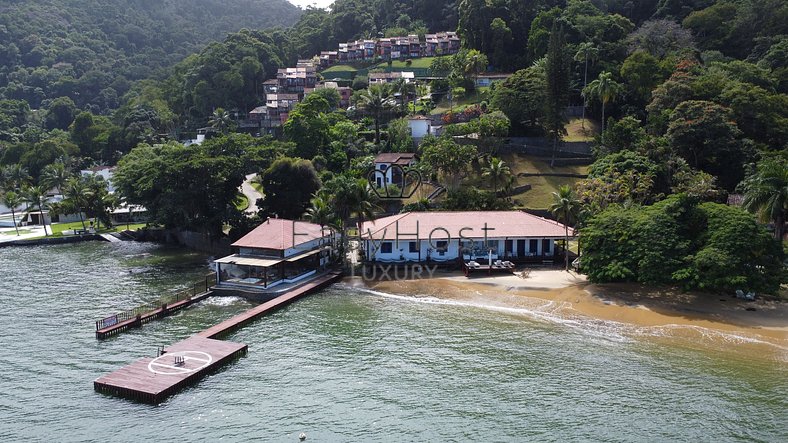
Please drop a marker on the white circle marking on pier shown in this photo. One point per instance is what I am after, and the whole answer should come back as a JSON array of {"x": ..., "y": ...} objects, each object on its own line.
[{"x": 165, "y": 364}]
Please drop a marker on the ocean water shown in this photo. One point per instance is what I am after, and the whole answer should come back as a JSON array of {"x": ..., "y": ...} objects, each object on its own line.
[{"x": 350, "y": 364}]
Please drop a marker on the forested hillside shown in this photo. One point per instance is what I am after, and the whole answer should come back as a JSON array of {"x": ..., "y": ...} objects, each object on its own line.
[{"x": 91, "y": 50}]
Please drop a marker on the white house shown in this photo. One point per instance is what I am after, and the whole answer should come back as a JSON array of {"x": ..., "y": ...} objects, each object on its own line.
[
  {"x": 419, "y": 126},
  {"x": 446, "y": 236},
  {"x": 379, "y": 78},
  {"x": 276, "y": 252},
  {"x": 104, "y": 172},
  {"x": 390, "y": 166}
]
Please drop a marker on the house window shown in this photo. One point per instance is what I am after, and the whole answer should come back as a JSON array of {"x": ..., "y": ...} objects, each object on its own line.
[
  {"x": 386, "y": 247},
  {"x": 413, "y": 247},
  {"x": 533, "y": 245},
  {"x": 382, "y": 167},
  {"x": 442, "y": 245}
]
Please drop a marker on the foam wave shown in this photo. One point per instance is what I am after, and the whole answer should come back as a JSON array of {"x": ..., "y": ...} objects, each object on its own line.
[
  {"x": 547, "y": 311},
  {"x": 555, "y": 313}
]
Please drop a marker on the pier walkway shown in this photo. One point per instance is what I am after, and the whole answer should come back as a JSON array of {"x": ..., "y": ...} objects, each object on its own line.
[
  {"x": 240, "y": 320},
  {"x": 115, "y": 324},
  {"x": 152, "y": 380},
  {"x": 134, "y": 318}
]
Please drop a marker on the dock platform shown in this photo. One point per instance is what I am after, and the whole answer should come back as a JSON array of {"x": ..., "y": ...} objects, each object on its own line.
[{"x": 152, "y": 380}]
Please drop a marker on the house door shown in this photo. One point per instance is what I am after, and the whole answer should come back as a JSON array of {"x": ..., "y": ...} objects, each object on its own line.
[
  {"x": 521, "y": 248},
  {"x": 507, "y": 247},
  {"x": 533, "y": 247},
  {"x": 545, "y": 246}
]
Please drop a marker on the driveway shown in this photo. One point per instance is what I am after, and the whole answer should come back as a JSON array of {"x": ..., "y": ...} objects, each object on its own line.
[{"x": 251, "y": 193}]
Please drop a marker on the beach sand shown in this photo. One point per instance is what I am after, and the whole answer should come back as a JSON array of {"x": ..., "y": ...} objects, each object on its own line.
[{"x": 718, "y": 321}]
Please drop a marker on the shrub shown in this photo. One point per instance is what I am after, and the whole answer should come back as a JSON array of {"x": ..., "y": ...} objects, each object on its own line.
[{"x": 706, "y": 246}]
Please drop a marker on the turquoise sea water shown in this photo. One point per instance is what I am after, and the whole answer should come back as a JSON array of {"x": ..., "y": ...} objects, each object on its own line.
[{"x": 355, "y": 365}]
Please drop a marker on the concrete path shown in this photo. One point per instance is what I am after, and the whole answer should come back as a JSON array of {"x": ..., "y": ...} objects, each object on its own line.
[
  {"x": 9, "y": 234},
  {"x": 251, "y": 193}
]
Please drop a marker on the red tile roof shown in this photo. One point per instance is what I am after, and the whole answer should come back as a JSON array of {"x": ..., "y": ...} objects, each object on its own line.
[
  {"x": 281, "y": 234},
  {"x": 468, "y": 224},
  {"x": 401, "y": 158}
]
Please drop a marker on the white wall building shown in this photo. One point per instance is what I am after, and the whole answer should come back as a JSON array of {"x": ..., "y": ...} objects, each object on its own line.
[
  {"x": 389, "y": 167},
  {"x": 445, "y": 236},
  {"x": 104, "y": 172}
]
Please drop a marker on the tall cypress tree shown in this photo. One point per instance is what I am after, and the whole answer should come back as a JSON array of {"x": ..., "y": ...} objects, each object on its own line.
[{"x": 557, "y": 68}]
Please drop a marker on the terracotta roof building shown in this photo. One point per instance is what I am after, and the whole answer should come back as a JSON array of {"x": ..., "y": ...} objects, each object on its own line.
[
  {"x": 278, "y": 251},
  {"x": 445, "y": 236}
]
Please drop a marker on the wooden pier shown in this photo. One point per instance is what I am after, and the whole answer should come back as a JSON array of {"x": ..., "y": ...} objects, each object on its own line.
[
  {"x": 151, "y": 380},
  {"x": 134, "y": 318},
  {"x": 117, "y": 326},
  {"x": 240, "y": 320}
]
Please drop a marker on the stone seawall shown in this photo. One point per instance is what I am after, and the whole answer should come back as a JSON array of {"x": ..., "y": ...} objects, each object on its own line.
[{"x": 53, "y": 240}]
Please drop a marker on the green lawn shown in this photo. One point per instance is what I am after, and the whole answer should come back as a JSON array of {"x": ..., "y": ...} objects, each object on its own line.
[
  {"x": 540, "y": 196},
  {"x": 458, "y": 105},
  {"x": 338, "y": 68},
  {"x": 579, "y": 131},
  {"x": 241, "y": 202},
  {"x": 418, "y": 63},
  {"x": 58, "y": 228}
]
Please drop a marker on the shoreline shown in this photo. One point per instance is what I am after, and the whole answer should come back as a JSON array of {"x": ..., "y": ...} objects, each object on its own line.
[{"x": 642, "y": 311}]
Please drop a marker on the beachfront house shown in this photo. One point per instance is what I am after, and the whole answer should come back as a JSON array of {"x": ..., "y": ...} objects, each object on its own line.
[
  {"x": 277, "y": 252},
  {"x": 471, "y": 235}
]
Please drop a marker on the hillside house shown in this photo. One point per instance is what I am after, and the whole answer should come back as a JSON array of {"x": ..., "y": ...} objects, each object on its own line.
[
  {"x": 390, "y": 166},
  {"x": 380, "y": 78}
]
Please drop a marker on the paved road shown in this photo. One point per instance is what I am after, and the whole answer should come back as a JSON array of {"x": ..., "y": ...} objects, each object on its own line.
[{"x": 251, "y": 193}]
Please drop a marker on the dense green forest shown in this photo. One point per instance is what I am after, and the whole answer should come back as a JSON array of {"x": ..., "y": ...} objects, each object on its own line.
[
  {"x": 689, "y": 100},
  {"x": 91, "y": 50}
]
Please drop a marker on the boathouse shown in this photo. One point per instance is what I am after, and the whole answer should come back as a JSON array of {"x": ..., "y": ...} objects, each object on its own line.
[
  {"x": 279, "y": 251},
  {"x": 473, "y": 235}
]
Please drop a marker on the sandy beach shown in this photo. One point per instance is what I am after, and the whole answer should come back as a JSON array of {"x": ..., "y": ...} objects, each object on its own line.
[{"x": 718, "y": 321}]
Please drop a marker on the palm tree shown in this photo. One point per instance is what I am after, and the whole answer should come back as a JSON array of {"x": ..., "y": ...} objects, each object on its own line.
[
  {"x": 565, "y": 207},
  {"x": 36, "y": 196},
  {"x": 586, "y": 51},
  {"x": 766, "y": 192},
  {"x": 475, "y": 64},
  {"x": 348, "y": 196},
  {"x": 76, "y": 193},
  {"x": 99, "y": 200},
  {"x": 605, "y": 89},
  {"x": 16, "y": 176},
  {"x": 54, "y": 176},
  {"x": 11, "y": 199},
  {"x": 497, "y": 170},
  {"x": 403, "y": 88},
  {"x": 220, "y": 120},
  {"x": 376, "y": 100},
  {"x": 319, "y": 212},
  {"x": 421, "y": 91}
]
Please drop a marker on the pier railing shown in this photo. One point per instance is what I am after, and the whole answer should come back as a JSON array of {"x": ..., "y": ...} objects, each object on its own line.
[{"x": 149, "y": 311}]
